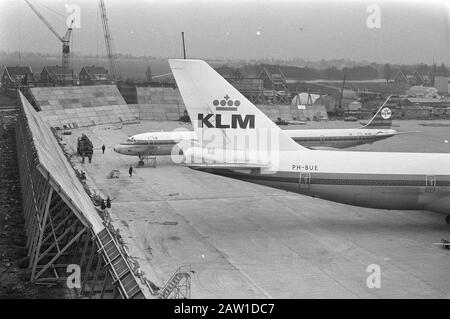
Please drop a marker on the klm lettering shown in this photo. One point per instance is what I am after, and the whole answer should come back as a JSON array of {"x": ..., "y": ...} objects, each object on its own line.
[{"x": 237, "y": 121}]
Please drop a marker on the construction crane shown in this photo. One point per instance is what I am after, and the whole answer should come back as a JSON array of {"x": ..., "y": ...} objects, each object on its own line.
[
  {"x": 65, "y": 63},
  {"x": 341, "y": 94},
  {"x": 113, "y": 64}
]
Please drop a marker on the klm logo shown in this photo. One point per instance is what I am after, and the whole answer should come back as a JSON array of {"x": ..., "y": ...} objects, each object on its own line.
[
  {"x": 237, "y": 121},
  {"x": 386, "y": 113},
  {"x": 226, "y": 104},
  {"x": 216, "y": 120}
]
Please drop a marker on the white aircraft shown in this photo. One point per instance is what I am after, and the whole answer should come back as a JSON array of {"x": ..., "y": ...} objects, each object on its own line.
[
  {"x": 165, "y": 143},
  {"x": 237, "y": 140}
]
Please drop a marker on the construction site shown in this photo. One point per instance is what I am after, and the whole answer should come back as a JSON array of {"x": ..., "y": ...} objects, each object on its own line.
[
  {"x": 174, "y": 232},
  {"x": 78, "y": 220}
]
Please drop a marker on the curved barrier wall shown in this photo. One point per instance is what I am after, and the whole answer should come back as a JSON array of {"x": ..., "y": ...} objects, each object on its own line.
[
  {"x": 75, "y": 106},
  {"x": 159, "y": 103}
]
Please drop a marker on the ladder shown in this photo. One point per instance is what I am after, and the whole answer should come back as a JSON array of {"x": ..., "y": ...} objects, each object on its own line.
[
  {"x": 178, "y": 286},
  {"x": 120, "y": 269}
]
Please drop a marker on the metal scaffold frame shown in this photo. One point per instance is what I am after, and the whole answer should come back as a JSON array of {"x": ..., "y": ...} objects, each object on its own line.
[{"x": 59, "y": 235}]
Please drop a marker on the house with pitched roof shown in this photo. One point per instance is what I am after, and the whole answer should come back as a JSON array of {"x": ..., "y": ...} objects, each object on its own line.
[
  {"x": 273, "y": 78},
  {"x": 94, "y": 75},
  {"x": 230, "y": 73},
  {"x": 56, "y": 75},
  {"x": 15, "y": 76}
]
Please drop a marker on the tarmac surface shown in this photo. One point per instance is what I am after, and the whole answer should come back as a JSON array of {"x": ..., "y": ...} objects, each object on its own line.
[{"x": 249, "y": 241}]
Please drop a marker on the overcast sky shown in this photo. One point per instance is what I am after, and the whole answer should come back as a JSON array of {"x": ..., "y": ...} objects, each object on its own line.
[{"x": 410, "y": 31}]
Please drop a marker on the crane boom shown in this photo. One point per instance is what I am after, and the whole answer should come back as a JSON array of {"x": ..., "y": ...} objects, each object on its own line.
[
  {"x": 341, "y": 95},
  {"x": 113, "y": 64},
  {"x": 68, "y": 33},
  {"x": 44, "y": 20},
  {"x": 65, "y": 63}
]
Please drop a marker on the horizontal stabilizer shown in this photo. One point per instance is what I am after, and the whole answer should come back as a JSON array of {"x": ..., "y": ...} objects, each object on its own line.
[{"x": 407, "y": 132}]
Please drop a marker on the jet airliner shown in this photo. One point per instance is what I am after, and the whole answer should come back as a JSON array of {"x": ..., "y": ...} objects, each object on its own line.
[
  {"x": 230, "y": 142},
  {"x": 165, "y": 143}
]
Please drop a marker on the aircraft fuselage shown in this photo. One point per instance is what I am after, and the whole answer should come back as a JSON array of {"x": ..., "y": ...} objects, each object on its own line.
[
  {"x": 165, "y": 143},
  {"x": 395, "y": 182}
]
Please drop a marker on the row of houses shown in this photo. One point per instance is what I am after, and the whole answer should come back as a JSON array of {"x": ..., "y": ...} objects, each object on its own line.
[
  {"x": 280, "y": 84},
  {"x": 267, "y": 83},
  {"x": 16, "y": 76},
  {"x": 273, "y": 77},
  {"x": 282, "y": 77},
  {"x": 439, "y": 81}
]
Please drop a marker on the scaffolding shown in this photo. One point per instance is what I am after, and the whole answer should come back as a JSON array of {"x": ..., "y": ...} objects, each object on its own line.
[{"x": 62, "y": 229}]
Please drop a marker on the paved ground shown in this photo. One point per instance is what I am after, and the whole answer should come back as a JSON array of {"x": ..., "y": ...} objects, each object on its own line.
[{"x": 244, "y": 240}]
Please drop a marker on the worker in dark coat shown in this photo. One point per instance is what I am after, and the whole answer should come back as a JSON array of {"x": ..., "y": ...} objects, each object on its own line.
[
  {"x": 103, "y": 148},
  {"x": 130, "y": 171}
]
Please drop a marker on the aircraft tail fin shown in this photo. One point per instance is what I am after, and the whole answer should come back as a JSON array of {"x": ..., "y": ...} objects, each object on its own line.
[
  {"x": 382, "y": 118},
  {"x": 221, "y": 116}
]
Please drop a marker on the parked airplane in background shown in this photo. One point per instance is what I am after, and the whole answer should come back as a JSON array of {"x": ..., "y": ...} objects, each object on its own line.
[
  {"x": 387, "y": 180},
  {"x": 163, "y": 143}
]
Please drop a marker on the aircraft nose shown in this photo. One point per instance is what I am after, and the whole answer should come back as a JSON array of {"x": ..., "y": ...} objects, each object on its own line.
[{"x": 117, "y": 149}]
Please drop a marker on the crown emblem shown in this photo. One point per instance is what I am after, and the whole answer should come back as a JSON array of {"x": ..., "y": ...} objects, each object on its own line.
[{"x": 226, "y": 104}]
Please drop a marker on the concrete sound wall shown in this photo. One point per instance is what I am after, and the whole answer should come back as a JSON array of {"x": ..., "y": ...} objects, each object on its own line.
[
  {"x": 158, "y": 112},
  {"x": 312, "y": 112},
  {"x": 275, "y": 111},
  {"x": 159, "y": 103},
  {"x": 441, "y": 83},
  {"x": 75, "y": 106}
]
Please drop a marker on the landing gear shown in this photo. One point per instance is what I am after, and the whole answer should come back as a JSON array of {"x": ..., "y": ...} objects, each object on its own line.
[
  {"x": 447, "y": 219},
  {"x": 141, "y": 161},
  {"x": 152, "y": 161}
]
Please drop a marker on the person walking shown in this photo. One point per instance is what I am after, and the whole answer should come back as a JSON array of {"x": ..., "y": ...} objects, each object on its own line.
[
  {"x": 130, "y": 171},
  {"x": 103, "y": 148}
]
